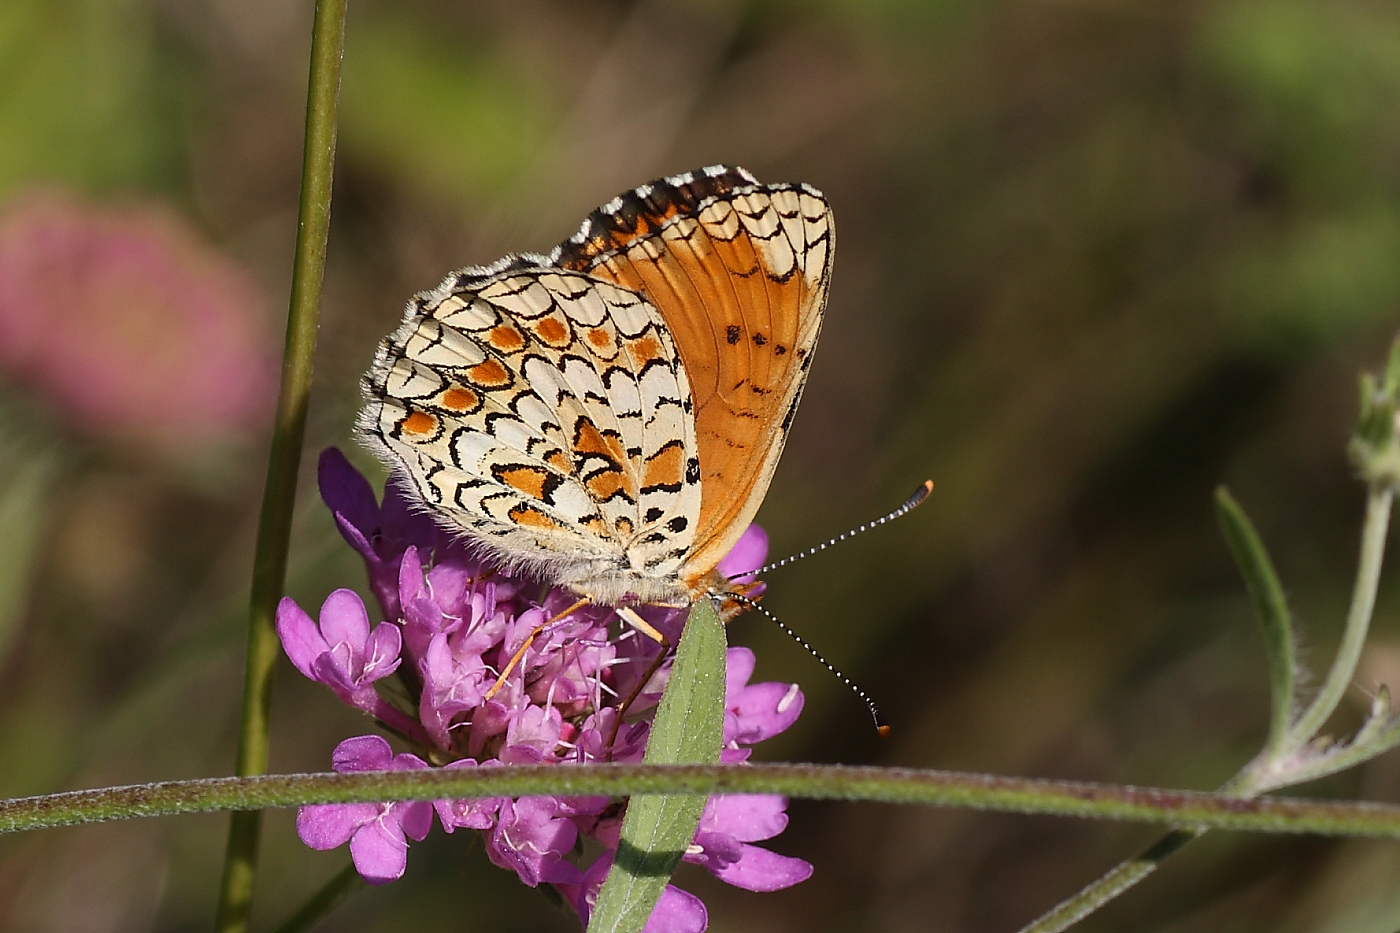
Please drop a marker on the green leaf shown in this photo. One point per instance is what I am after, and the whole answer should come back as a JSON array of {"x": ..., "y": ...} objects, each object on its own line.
[
  {"x": 1270, "y": 606},
  {"x": 689, "y": 729}
]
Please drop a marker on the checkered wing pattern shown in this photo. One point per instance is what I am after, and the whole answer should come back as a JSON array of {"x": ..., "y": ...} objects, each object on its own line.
[
  {"x": 740, "y": 271},
  {"x": 546, "y": 413}
]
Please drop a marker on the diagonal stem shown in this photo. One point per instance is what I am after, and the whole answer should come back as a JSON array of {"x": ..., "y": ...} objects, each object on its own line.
[
  {"x": 284, "y": 459},
  {"x": 330, "y": 896},
  {"x": 1268, "y": 772}
]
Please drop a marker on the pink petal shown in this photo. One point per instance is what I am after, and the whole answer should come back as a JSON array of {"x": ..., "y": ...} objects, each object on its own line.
[
  {"x": 762, "y": 870},
  {"x": 415, "y": 817},
  {"x": 300, "y": 637},
  {"x": 537, "y": 726},
  {"x": 347, "y": 492},
  {"x": 362, "y": 753},
  {"x": 748, "y": 553},
  {"x": 329, "y": 825},
  {"x": 335, "y": 669},
  {"x": 412, "y": 583},
  {"x": 678, "y": 911},
  {"x": 739, "y": 663},
  {"x": 762, "y": 711},
  {"x": 382, "y": 652},
  {"x": 716, "y": 850},
  {"x": 405, "y": 761},
  {"x": 379, "y": 852},
  {"x": 746, "y": 817},
  {"x": 344, "y": 619},
  {"x": 355, "y": 538},
  {"x": 449, "y": 583}
]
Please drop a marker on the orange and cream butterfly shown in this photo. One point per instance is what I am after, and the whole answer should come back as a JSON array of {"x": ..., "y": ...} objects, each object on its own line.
[{"x": 609, "y": 417}]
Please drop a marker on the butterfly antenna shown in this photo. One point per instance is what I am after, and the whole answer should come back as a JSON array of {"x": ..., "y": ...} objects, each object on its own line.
[
  {"x": 909, "y": 505},
  {"x": 881, "y": 726}
]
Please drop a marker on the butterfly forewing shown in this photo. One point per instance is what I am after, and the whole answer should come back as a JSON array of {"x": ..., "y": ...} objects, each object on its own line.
[{"x": 740, "y": 271}]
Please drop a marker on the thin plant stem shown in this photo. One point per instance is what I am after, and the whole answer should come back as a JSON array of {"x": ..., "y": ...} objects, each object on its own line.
[
  {"x": 922, "y": 787},
  {"x": 1264, "y": 773},
  {"x": 1363, "y": 603},
  {"x": 331, "y": 895},
  {"x": 1117, "y": 880},
  {"x": 284, "y": 458}
]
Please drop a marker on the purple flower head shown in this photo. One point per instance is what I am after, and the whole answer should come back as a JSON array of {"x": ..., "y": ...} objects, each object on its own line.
[
  {"x": 492, "y": 671},
  {"x": 123, "y": 319},
  {"x": 378, "y": 833}
]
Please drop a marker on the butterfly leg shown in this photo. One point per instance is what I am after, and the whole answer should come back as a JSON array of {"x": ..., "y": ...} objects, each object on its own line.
[
  {"x": 630, "y": 616},
  {"x": 519, "y": 655}
]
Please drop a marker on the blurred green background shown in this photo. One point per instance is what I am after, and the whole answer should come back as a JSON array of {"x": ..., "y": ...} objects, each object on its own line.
[{"x": 1095, "y": 258}]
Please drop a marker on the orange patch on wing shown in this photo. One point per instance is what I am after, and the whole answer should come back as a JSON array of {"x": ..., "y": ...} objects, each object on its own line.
[
  {"x": 589, "y": 440},
  {"x": 460, "y": 399},
  {"x": 531, "y": 517},
  {"x": 552, "y": 331},
  {"x": 420, "y": 422},
  {"x": 606, "y": 484},
  {"x": 530, "y": 480},
  {"x": 646, "y": 348},
  {"x": 559, "y": 460},
  {"x": 490, "y": 373},
  {"x": 600, "y": 338},
  {"x": 506, "y": 338},
  {"x": 666, "y": 467}
]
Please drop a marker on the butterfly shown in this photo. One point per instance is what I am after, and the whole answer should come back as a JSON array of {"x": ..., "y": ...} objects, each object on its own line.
[{"x": 608, "y": 417}]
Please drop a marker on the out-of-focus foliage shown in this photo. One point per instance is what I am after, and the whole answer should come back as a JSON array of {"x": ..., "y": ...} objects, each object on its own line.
[{"x": 1094, "y": 259}]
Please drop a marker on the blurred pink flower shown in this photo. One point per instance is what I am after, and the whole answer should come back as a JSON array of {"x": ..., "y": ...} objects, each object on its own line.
[{"x": 122, "y": 319}]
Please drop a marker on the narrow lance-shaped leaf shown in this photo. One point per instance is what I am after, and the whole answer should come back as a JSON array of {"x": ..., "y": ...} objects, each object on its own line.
[
  {"x": 1270, "y": 605},
  {"x": 689, "y": 729}
]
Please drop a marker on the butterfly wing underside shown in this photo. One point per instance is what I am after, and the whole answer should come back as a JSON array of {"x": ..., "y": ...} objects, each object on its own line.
[
  {"x": 740, "y": 271},
  {"x": 545, "y": 413}
]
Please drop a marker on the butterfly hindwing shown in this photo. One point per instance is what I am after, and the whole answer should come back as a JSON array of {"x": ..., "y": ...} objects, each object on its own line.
[{"x": 530, "y": 407}]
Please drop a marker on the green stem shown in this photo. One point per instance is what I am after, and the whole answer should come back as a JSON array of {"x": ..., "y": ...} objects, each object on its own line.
[
  {"x": 1363, "y": 603},
  {"x": 830, "y": 782},
  {"x": 284, "y": 459},
  {"x": 332, "y": 894},
  {"x": 1122, "y": 877}
]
